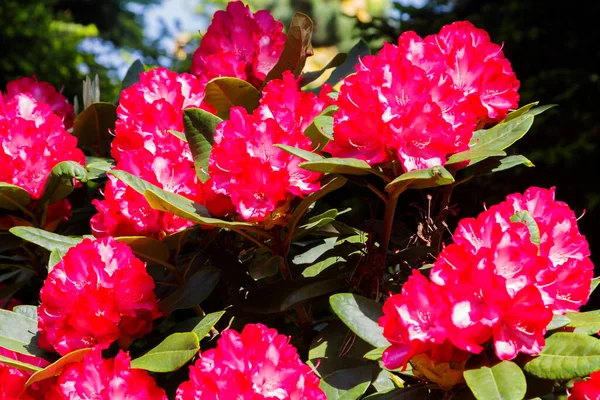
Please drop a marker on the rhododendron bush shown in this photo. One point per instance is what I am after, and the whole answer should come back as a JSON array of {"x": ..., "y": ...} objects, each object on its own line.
[{"x": 251, "y": 230}]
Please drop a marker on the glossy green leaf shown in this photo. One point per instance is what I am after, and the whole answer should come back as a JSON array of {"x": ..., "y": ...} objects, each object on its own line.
[
  {"x": 473, "y": 154},
  {"x": 566, "y": 356},
  {"x": 358, "y": 51},
  {"x": 375, "y": 354},
  {"x": 303, "y": 154},
  {"x": 349, "y": 166},
  {"x": 504, "y": 381},
  {"x": 360, "y": 315},
  {"x": 260, "y": 268},
  {"x": 587, "y": 323},
  {"x": 145, "y": 248},
  {"x": 199, "y": 128},
  {"x": 558, "y": 321},
  {"x": 19, "y": 364},
  {"x": 320, "y": 220},
  {"x": 45, "y": 239},
  {"x": 193, "y": 292},
  {"x": 594, "y": 284},
  {"x": 226, "y": 92},
  {"x": 320, "y": 131},
  {"x": 97, "y": 167},
  {"x": 171, "y": 354},
  {"x": 56, "y": 256},
  {"x": 57, "y": 367},
  {"x": 132, "y": 76},
  {"x": 207, "y": 323},
  {"x": 60, "y": 181},
  {"x": 26, "y": 310},
  {"x": 296, "y": 48},
  {"x": 347, "y": 384},
  {"x": 19, "y": 333},
  {"x": 538, "y": 110},
  {"x": 316, "y": 269},
  {"x": 421, "y": 179},
  {"x": 534, "y": 230},
  {"x": 512, "y": 161},
  {"x": 93, "y": 127},
  {"x": 501, "y": 136},
  {"x": 324, "y": 124},
  {"x": 521, "y": 111},
  {"x": 13, "y": 197}
]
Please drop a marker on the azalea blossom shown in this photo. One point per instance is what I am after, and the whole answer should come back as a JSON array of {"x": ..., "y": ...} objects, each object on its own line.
[
  {"x": 255, "y": 364},
  {"x": 239, "y": 44},
  {"x": 98, "y": 293},
  {"x": 587, "y": 389},
  {"x": 12, "y": 379},
  {"x": 104, "y": 379}
]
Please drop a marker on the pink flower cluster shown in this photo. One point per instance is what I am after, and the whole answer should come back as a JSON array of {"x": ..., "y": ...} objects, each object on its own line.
[
  {"x": 257, "y": 364},
  {"x": 421, "y": 100},
  {"x": 98, "y": 293},
  {"x": 32, "y": 141},
  {"x": 13, "y": 380},
  {"x": 501, "y": 281},
  {"x": 239, "y": 44},
  {"x": 144, "y": 147},
  {"x": 586, "y": 390},
  {"x": 244, "y": 164}
]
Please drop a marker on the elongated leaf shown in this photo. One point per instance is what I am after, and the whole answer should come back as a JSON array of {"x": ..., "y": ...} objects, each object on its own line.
[
  {"x": 358, "y": 51},
  {"x": 594, "y": 284},
  {"x": 132, "y": 76},
  {"x": 207, "y": 323},
  {"x": 199, "y": 128},
  {"x": 360, "y": 315},
  {"x": 474, "y": 154},
  {"x": 137, "y": 184},
  {"x": 558, "y": 321},
  {"x": 225, "y": 93},
  {"x": 303, "y": 154},
  {"x": 195, "y": 290},
  {"x": 512, "y": 161},
  {"x": 261, "y": 268},
  {"x": 316, "y": 269},
  {"x": 45, "y": 239},
  {"x": 534, "y": 230},
  {"x": 320, "y": 220},
  {"x": 504, "y": 381},
  {"x": 97, "y": 167},
  {"x": 538, "y": 110},
  {"x": 309, "y": 77},
  {"x": 19, "y": 333},
  {"x": 57, "y": 367},
  {"x": 320, "y": 131},
  {"x": 60, "y": 181},
  {"x": 19, "y": 364},
  {"x": 347, "y": 384},
  {"x": 55, "y": 256},
  {"x": 13, "y": 197},
  {"x": 502, "y": 135},
  {"x": 587, "y": 323},
  {"x": 171, "y": 354},
  {"x": 324, "y": 124},
  {"x": 94, "y": 125},
  {"x": 296, "y": 48},
  {"x": 350, "y": 166},
  {"x": 521, "y": 111},
  {"x": 421, "y": 179},
  {"x": 566, "y": 356},
  {"x": 148, "y": 249},
  {"x": 27, "y": 311},
  {"x": 375, "y": 354}
]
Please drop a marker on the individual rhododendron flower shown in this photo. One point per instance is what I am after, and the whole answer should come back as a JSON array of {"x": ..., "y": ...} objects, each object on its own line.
[
  {"x": 239, "y": 44},
  {"x": 256, "y": 364},
  {"x": 32, "y": 141},
  {"x": 413, "y": 103},
  {"x": 104, "y": 379},
  {"x": 244, "y": 164},
  {"x": 98, "y": 293},
  {"x": 43, "y": 92},
  {"x": 12, "y": 379},
  {"x": 144, "y": 147},
  {"x": 586, "y": 390}
]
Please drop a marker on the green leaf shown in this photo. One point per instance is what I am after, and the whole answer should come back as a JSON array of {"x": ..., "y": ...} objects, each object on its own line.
[
  {"x": 375, "y": 354},
  {"x": 171, "y": 354},
  {"x": 60, "y": 181},
  {"x": 57, "y": 367},
  {"x": 148, "y": 249},
  {"x": 309, "y": 77},
  {"x": 94, "y": 125},
  {"x": 207, "y": 323},
  {"x": 55, "y": 256},
  {"x": 512, "y": 161},
  {"x": 566, "y": 356},
  {"x": 199, "y": 128},
  {"x": 521, "y": 111},
  {"x": 320, "y": 131},
  {"x": 474, "y": 154},
  {"x": 350, "y": 166},
  {"x": 421, "y": 179},
  {"x": 347, "y": 384},
  {"x": 587, "y": 323},
  {"x": 324, "y": 124},
  {"x": 19, "y": 364},
  {"x": 320, "y": 220},
  {"x": 303, "y": 154},
  {"x": 296, "y": 48},
  {"x": 540, "y": 109},
  {"x": 282, "y": 296},
  {"x": 26, "y": 310},
  {"x": 260, "y": 268},
  {"x": 534, "y": 230},
  {"x": 132, "y": 76},
  {"x": 500, "y": 136},
  {"x": 177, "y": 134},
  {"x": 358, "y": 51},
  {"x": 594, "y": 284},
  {"x": 225, "y": 92},
  {"x": 504, "y": 381},
  {"x": 413, "y": 392},
  {"x": 558, "y": 321},
  {"x": 45, "y": 239},
  {"x": 360, "y": 315},
  {"x": 13, "y": 197},
  {"x": 97, "y": 167},
  {"x": 19, "y": 333},
  {"x": 193, "y": 292},
  {"x": 316, "y": 269}
]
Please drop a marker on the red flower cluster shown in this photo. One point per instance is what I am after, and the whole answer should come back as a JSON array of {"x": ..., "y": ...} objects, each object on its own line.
[
  {"x": 12, "y": 380},
  {"x": 255, "y": 365},
  {"x": 244, "y": 164},
  {"x": 419, "y": 101},
  {"x": 32, "y": 141},
  {"x": 144, "y": 147},
  {"x": 98, "y": 293},
  {"x": 505, "y": 274},
  {"x": 43, "y": 92},
  {"x": 586, "y": 390},
  {"x": 239, "y": 44},
  {"x": 104, "y": 379}
]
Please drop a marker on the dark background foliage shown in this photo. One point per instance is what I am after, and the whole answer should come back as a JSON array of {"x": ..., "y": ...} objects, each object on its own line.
[{"x": 552, "y": 46}]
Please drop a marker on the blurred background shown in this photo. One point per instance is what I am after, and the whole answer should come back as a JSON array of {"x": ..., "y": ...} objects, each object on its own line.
[{"x": 552, "y": 46}]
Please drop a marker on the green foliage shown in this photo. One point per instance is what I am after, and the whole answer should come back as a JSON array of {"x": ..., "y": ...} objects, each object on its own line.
[
  {"x": 225, "y": 93},
  {"x": 360, "y": 314},
  {"x": 502, "y": 381},
  {"x": 93, "y": 127},
  {"x": 199, "y": 128},
  {"x": 171, "y": 354}
]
